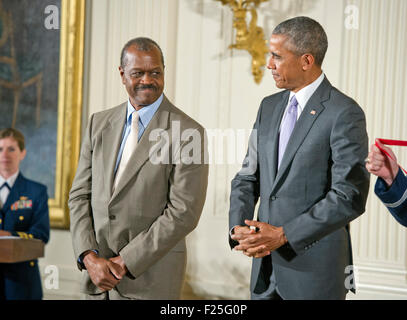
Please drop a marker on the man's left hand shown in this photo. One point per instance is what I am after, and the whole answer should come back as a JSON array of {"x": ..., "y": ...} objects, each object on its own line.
[
  {"x": 260, "y": 244},
  {"x": 118, "y": 260}
]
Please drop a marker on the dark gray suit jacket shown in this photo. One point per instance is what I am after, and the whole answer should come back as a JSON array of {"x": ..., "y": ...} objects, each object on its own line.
[{"x": 321, "y": 186}]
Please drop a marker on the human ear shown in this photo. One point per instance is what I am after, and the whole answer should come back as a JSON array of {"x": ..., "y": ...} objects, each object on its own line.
[
  {"x": 23, "y": 154},
  {"x": 121, "y": 70},
  {"x": 307, "y": 61}
]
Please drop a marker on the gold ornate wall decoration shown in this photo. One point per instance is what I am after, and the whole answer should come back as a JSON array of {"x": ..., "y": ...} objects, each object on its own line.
[
  {"x": 249, "y": 37},
  {"x": 69, "y": 107}
]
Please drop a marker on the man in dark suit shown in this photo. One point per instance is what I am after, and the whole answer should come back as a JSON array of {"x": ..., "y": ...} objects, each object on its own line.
[
  {"x": 306, "y": 163},
  {"x": 23, "y": 213},
  {"x": 391, "y": 183}
]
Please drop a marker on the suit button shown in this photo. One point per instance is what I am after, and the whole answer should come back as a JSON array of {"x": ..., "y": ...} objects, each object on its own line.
[
  {"x": 112, "y": 217},
  {"x": 273, "y": 198}
]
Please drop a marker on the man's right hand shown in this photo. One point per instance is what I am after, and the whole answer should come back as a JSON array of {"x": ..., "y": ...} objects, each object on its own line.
[
  {"x": 104, "y": 274},
  {"x": 381, "y": 165}
]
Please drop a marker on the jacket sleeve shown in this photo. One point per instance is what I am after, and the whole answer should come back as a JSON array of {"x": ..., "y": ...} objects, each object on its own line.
[
  {"x": 81, "y": 222},
  {"x": 245, "y": 186},
  {"x": 395, "y": 197},
  {"x": 347, "y": 192}
]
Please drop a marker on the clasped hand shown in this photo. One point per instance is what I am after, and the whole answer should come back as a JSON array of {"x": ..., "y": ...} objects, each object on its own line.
[
  {"x": 105, "y": 274},
  {"x": 259, "y": 243}
]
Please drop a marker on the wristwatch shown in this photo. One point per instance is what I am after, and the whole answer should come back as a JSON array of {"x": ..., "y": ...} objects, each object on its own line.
[{"x": 81, "y": 265}]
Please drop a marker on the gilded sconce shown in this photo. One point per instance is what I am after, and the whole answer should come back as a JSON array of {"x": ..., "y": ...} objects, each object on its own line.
[{"x": 249, "y": 37}]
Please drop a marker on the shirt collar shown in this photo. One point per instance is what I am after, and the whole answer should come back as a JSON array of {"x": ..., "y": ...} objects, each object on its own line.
[
  {"x": 305, "y": 93},
  {"x": 11, "y": 180},
  {"x": 146, "y": 113}
]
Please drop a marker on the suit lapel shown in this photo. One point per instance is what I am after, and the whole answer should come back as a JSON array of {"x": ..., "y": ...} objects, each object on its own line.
[
  {"x": 13, "y": 196},
  {"x": 160, "y": 120},
  {"x": 111, "y": 137},
  {"x": 308, "y": 116},
  {"x": 272, "y": 138}
]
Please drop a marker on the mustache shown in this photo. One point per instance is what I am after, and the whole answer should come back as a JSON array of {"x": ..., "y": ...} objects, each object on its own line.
[{"x": 146, "y": 86}]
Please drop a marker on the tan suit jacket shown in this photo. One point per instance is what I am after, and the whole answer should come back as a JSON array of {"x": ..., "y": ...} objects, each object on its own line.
[{"x": 153, "y": 207}]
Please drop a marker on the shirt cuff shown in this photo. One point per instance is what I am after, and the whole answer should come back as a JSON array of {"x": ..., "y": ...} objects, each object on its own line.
[{"x": 389, "y": 195}]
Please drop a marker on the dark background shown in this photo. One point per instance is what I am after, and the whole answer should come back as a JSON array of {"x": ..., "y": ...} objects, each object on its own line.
[{"x": 37, "y": 50}]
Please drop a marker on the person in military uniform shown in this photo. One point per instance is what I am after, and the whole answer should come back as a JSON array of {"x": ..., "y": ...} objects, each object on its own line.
[
  {"x": 391, "y": 183},
  {"x": 23, "y": 213}
]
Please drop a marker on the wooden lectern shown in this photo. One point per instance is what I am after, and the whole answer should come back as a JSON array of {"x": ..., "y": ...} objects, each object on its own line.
[{"x": 15, "y": 249}]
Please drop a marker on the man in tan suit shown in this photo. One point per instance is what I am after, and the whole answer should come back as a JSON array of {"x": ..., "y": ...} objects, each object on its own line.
[{"x": 139, "y": 188}]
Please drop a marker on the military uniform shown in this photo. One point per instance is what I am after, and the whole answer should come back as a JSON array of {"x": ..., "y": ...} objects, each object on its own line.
[
  {"x": 394, "y": 197},
  {"x": 24, "y": 214}
]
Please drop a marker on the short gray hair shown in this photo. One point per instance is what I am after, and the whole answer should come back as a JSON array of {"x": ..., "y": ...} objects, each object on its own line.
[
  {"x": 305, "y": 35},
  {"x": 142, "y": 44}
]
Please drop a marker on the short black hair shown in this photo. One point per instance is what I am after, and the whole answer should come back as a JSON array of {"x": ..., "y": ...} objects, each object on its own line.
[
  {"x": 142, "y": 44},
  {"x": 305, "y": 35}
]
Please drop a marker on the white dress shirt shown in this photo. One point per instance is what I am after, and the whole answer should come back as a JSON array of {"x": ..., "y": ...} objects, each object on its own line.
[
  {"x": 4, "y": 192},
  {"x": 303, "y": 96}
]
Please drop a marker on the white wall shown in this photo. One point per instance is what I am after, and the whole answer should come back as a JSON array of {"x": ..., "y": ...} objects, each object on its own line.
[
  {"x": 375, "y": 74},
  {"x": 214, "y": 85},
  {"x": 59, "y": 253}
]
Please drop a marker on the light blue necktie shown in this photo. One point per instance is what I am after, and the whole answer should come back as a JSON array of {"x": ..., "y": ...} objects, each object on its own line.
[{"x": 287, "y": 128}]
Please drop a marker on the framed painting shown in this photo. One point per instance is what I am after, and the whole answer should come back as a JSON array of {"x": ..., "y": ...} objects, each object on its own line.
[{"x": 41, "y": 70}]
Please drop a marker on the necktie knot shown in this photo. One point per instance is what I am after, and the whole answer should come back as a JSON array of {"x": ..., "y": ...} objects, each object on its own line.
[
  {"x": 293, "y": 105},
  {"x": 134, "y": 118},
  {"x": 135, "y": 122},
  {"x": 5, "y": 185}
]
